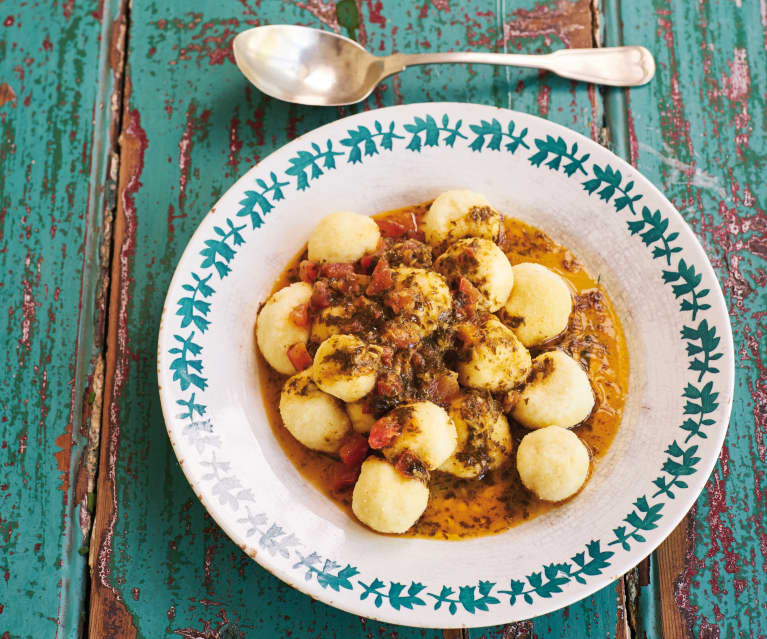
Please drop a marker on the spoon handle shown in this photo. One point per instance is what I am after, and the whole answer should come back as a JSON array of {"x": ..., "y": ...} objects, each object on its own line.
[{"x": 613, "y": 66}]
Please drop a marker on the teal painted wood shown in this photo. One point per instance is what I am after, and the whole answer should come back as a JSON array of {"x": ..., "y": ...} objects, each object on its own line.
[
  {"x": 698, "y": 131},
  {"x": 55, "y": 85},
  {"x": 198, "y": 126},
  {"x": 600, "y": 615}
]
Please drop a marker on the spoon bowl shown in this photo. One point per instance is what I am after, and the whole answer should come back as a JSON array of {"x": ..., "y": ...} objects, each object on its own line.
[
  {"x": 320, "y": 68},
  {"x": 304, "y": 65}
]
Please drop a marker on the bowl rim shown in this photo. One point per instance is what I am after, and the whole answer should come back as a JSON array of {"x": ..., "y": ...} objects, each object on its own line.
[{"x": 621, "y": 563}]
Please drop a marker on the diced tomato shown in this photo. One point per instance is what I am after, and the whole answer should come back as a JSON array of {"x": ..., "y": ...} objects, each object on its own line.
[
  {"x": 388, "y": 385},
  {"x": 400, "y": 336},
  {"x": 417, "y": 235},
  {"x": 308, "y": 271},
  {"x": 382, "y": 279},
  {"x": 470, "y": 295},
  {"x": 345, "y": 476},
  {"x": 351, "y": 284},
  {"x": 468, "y": 289},
  {"x": 411, "y": 466},
  {"x": 383, "y": 432},
  {"x": 399, "y": 301},
  {"x": 366, "y": 261},
  {"x": 353, "y": 450},
  {"x": 446, "y": 389},
  {"x": 391, "y": 228},
  {"x": 300, "y": 315},
  {"x": 299, "y": 356},
  {"x": 339, "y": 269},
  {"x": 320, "y": 295},
  {"x": 386, "y": 355}
]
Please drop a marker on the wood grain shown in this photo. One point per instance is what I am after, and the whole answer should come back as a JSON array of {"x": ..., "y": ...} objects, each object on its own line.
[
  {"x": 188, "y": 126},
  {"x": 160, "y": 562},
  {"x": 55, "y": 118},
  {"x": 698, "y": 131}
]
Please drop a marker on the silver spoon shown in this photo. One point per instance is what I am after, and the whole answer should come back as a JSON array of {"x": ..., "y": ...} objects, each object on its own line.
[{"x": 310, "y": 66}]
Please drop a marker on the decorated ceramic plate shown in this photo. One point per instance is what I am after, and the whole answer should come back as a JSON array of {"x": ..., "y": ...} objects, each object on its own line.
[{"x": 624, "y": 232}]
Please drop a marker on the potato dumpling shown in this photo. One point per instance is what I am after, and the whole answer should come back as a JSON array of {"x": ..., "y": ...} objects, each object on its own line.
[
  {"x": 558, "y": 393},
  {"x": 457, "y": 214},
  {"x": 482, "y": 263},
  {"x": 539, "y": 306},
  {"x": 343, "y": 237},
  {"x": 484, "y": 440},
  {"x": 386, "y": 500},
  {"x": 419, "y": 299},
  {"x": 427, "y": 432},
  {"x": 497, "y": 360},
  {"x": 362, "y": 419},
  {"x": 276, "y": 331},
  {"x": 314, "y": 418},
  {"x": 346, "y": 367},
  {"x": 552, "y": 462},
  {"x": 344, "y": 318}
]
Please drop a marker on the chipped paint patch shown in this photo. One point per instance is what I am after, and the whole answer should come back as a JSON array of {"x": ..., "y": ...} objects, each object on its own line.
[{"x": 7, "y": 94}]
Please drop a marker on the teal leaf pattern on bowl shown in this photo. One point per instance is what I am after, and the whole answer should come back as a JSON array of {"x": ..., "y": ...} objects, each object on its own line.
[
  {"x": 700, "y": 402},
  {"x": 645, "y": 517},
  {"x": 363, "y": 140},
  {"x": 495, "y": 133},
  {"x": 329, "y": 575},
  {"x": 678, "y": 464},
  {"x": 607, "y": 184},
  {"x": 260, "y": 200},
  {"x": 218, "y": 252},
  {"x": 651, "y": 227},
  {"x": 431, "y": 132},
  {"x": 313, "y": 162},
  {"x": 193, "y": 310},
  {"x": 707, "y": 341},
  {"x": 554, "y": 151},
  {"x": 687, "y": 288},
  {"x": 396, "y": 596}
]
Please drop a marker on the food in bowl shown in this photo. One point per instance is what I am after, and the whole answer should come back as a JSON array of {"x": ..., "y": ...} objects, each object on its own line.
[{"x": 441, "y": 370}]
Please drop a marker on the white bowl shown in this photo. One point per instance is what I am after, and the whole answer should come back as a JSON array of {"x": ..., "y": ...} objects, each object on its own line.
[{"x": 668, "y": 298}]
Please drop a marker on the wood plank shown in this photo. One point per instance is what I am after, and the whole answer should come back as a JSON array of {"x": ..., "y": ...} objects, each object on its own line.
[
  {"x": 55, "y": 122},
  {"x": 160, "y": 564},
  {"x": 698, "y": 131}
]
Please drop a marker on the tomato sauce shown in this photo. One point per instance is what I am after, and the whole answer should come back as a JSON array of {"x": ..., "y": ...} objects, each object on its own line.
[{"x": 461, "y": 508}]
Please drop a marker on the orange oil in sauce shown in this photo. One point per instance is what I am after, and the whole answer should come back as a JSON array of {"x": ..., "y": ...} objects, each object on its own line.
[{"x": 461, "y": 508}]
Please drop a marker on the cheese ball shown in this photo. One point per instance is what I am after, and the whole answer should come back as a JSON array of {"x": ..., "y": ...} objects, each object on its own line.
[
  {"x": 314, "y": 418},
  {"x": 482, "y": 263},
  {"x": 386, "y": 500},
  {"x": 457, "y": 214},
  {"x": 484, "y": 440},
  {"x": 497, "y": 360},
  {"x": 346, "y": 367},
  {"x": 427, "y": 432},
  {"x": 419, "y": 299},
  {"x": 553, "y": 463},
  {"x": 343, "y": 237},
  {"x": 558, "y": 393},
  {"x": 362, "y": 420},
  {"x": 539, "y": 306},
  {"x": 276, "y": 331}
]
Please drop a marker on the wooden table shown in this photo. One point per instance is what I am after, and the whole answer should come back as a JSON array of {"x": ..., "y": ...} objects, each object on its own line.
[{"x": 122, "y": 124}]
